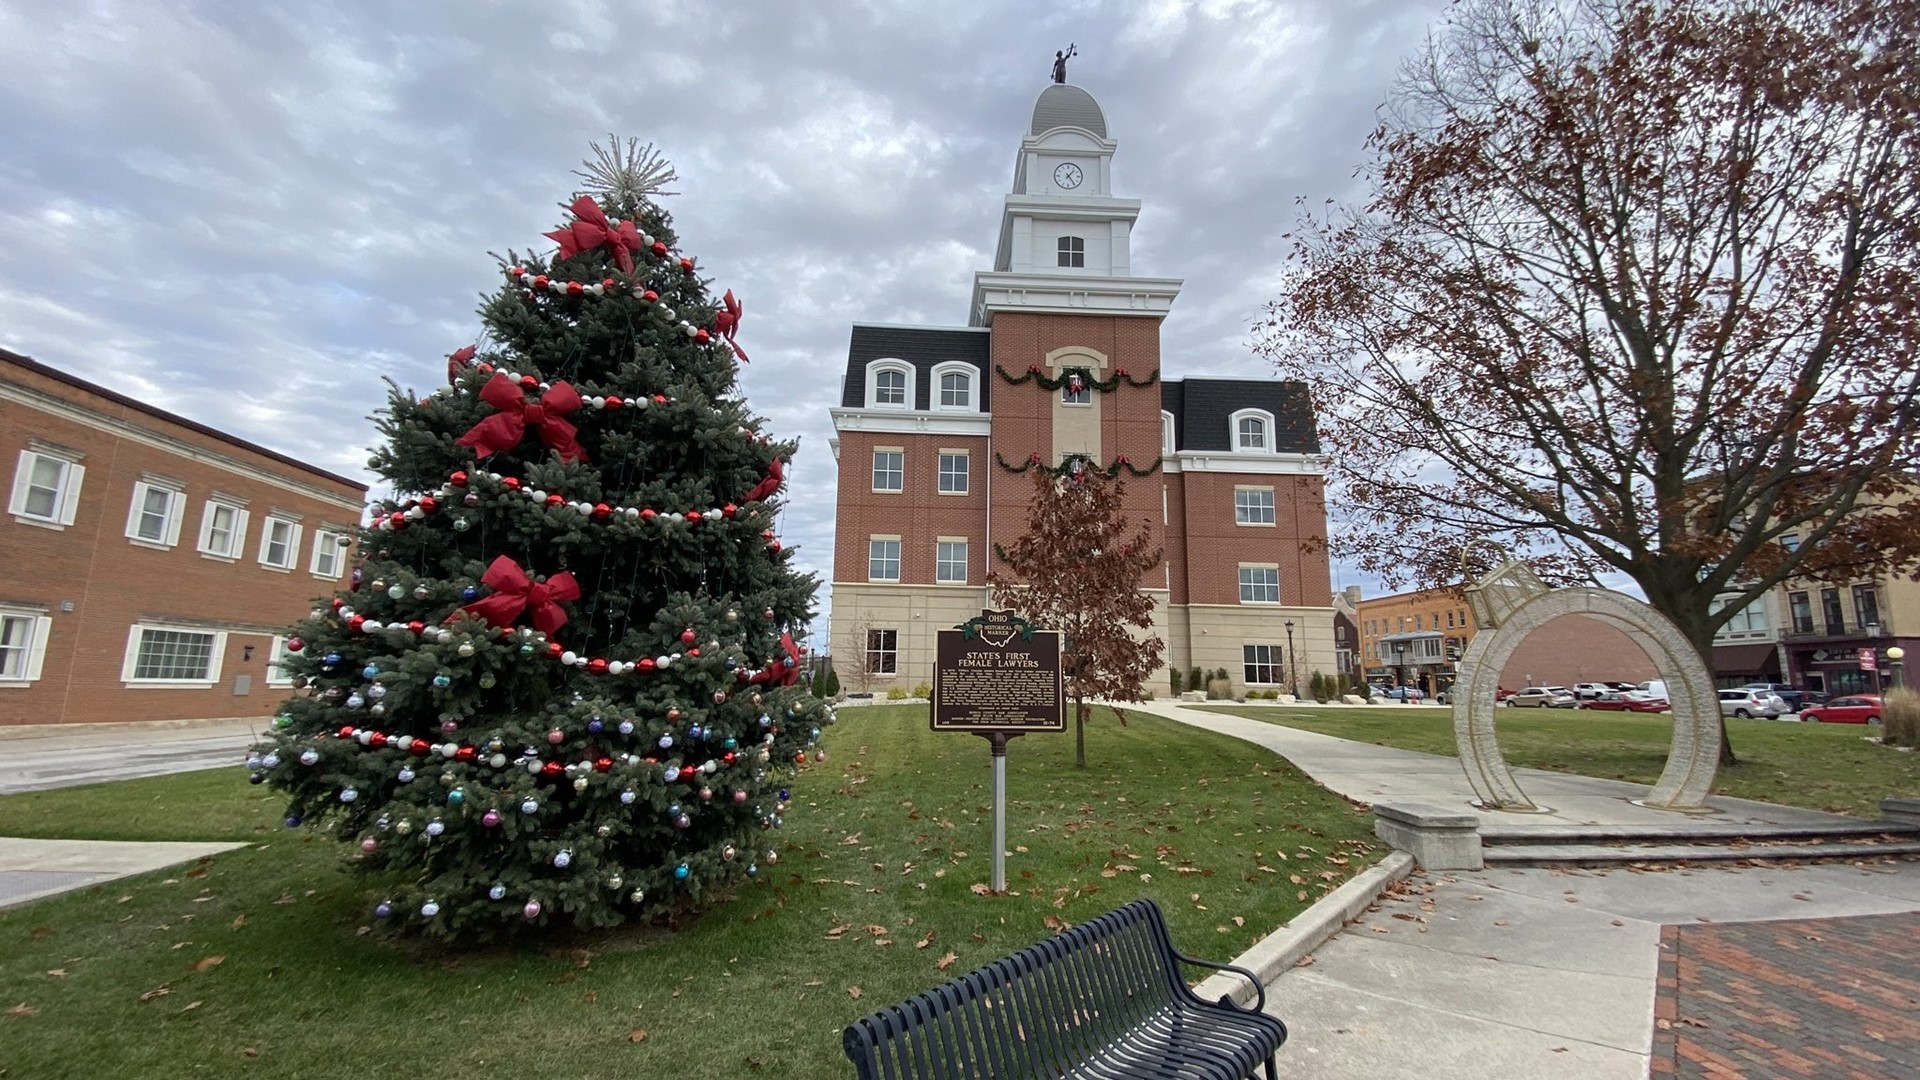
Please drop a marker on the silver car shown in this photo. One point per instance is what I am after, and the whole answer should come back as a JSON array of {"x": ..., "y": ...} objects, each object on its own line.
[
  {"x": 1748, "y": 702},
  {"x": 1548, "y": 697}
]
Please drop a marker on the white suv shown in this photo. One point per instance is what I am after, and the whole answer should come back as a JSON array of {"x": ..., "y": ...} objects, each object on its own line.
[
  {"x": 1587, "y": 691},
  {"x": 1748, "y": 702}
]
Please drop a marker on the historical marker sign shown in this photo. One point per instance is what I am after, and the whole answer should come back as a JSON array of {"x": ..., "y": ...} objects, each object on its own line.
[{"x": 998, "y": 674}]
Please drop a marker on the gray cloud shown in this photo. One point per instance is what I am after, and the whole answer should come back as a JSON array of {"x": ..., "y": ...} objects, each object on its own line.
[{"x": 250, "y": 213}]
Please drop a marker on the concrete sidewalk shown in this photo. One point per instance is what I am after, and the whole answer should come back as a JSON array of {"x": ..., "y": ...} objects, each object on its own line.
[
  {"x": 35, "y": 869},
  {"x": 43, "y": 756},
  {"x": 1526, "y": 972}
]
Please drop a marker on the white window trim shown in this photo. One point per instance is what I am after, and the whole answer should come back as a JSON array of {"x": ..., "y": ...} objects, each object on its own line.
[
  {"x": 41, "y": 630},
  {"x": 900, "y": 558},
  {"x": 276, "y": 652},
  {"x": 872, "y": 475},
  {"x": 214, "y": 662},
  {"x": 1166, "y": 432},
  {"x": 939, "y": 474},
  {"x": 966, "y": 559},
  {"x": 294, "y": 530},
  {"x": 170, "y": 529},
  {"x": 236, "y": 543},
  {"x": 1273, "y": 504},
  {"x": 952, "y": 367},
  {"x": 1275, "y": 567},
  {"x": 1233, "y": 431},
  {"x": 67, "y": 494},
  {"x": 875, "y": 367},
  {"x": 328, "y": 538}
]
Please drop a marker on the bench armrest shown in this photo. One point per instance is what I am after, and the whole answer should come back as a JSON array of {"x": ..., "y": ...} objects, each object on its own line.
[{"x": 1259, "y": 991}]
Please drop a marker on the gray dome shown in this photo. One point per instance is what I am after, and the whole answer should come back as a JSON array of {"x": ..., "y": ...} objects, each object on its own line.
[{"x": 1061, "y": 105}]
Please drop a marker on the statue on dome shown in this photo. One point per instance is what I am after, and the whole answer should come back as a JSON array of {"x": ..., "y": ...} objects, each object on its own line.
[{"x": 1060, "y": 63}]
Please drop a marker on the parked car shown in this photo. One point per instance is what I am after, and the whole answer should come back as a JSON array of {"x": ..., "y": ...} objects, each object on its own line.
[
  {"x": 1587, "y": 691},
  {"x": 1542, "y": 697},
  {"x": 1794, "y": 698},
  {"x": 1631, "y": 701},
  {"x": 1745, "y": 703},
  {"x": 1814, "y": 697},
  {"x": 1853, "y": 709},
  {"x": 1402, "y": 693}
]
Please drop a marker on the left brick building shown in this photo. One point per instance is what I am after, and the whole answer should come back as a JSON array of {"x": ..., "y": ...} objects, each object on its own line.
[{"x": 152, "y": 564}]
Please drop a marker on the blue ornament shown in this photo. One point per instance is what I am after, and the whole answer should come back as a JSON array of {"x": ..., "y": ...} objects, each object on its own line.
[
  {"x": 562, "y": 859},
  {"x": 382, "y": 910},
  {"x": 672, "y": 773},
  {"x": 370, "y": 672},
  {"x": 470, "y": 593},
  {"x": 348, "y": 795},
  {"x": 765, "y": 720},
  {"x": 429, "y": 909},
  {"x": 666, "y": 741},
  {"x": 695, "y": 731},
  {"x": 674, "y": 810},
  {"x": 406, "y": 776},
  {"x": 332, "y": 659},
  {"x": 530, "y": 807},
  {"x": 784, "y": 797},
  {"x": 498, "y": 892},
  {"x": 680, "y": 872},
  {"x": 270, "y": 761},
  {"x": 293, "y": 821},
  {"x": 753, "y": 869},
  {"x": 732, "y": 743},
  {"x": 626, "y": 727},
  {"x": 459, "y": 795},
  {"x": 732, "y": 664},
  {"x": 595, "y": 727},
  {"x": 442, "y": 681},
  {"x": 309, "y": 757}
]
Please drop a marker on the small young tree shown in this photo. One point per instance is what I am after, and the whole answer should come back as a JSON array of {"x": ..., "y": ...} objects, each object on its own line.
[
  {"x": 1173, "y": 680},
  {"x": 1078, "y": 570}
]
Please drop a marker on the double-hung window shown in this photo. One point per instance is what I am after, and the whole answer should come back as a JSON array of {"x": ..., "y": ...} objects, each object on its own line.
[
  {"x": 329, "y": 554},
  {"x": 890, "y": 470},
  {"x": 279, "y": 542},
  {"x": 954, "y": 471},
  {"x": 223, "y": 529},
  {"x": 23, "y": 645},
  {"x": 883, "y": 559},
  {"x": 950, "y": 562},
  {"x": 1259, "y": 585},
  {"x": 1253, "y": 506},
  {"x": 46, "y": 487},
  {"x": 153, "y": 518}
]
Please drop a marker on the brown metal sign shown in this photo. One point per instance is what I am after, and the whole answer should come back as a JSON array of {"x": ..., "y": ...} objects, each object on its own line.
[{"x": 997, "y": 673}]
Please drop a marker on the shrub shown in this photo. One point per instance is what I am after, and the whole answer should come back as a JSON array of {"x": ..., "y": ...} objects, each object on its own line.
[
  {"x": 1174, "y": 680},
  {"x": 895, "y": 693},
  {"x": 833, "y": 684},
  {"x": 923, "y": 691},
  {"x": 1219, "y": 689},
  {"x": 1195, "y": 680},
  {"x": 1900, "y": 718}
]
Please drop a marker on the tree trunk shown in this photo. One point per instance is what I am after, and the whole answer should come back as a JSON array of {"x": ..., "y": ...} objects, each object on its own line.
[
  {"x": 1701, "y": 639},
  {"x": 1080, "y": 732}
]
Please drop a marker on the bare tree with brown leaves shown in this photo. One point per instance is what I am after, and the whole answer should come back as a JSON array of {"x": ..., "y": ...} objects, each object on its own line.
[
  {"x": 1077, "y": 570},
  {"x": 1634, "y": 293}
]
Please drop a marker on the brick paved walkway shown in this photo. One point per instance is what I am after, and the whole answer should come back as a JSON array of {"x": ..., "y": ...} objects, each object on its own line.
[{"x": 1800, "y": 998}]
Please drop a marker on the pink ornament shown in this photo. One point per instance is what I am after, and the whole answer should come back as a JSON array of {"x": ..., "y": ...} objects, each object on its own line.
[
  {"x": 556, "y": 736},
  {"x": 490, "y": 819},
  {"x": 532, "y": 910},
  {"x": 369, "y": 845},
  {"x": 739, "y": 797}
]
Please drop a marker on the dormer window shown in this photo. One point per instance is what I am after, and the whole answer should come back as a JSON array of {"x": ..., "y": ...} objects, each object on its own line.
[
  {"x": 889, "y": 385},
  {"x": 1072, "y": 251},
  {"x": 1166, "y": 432},
  {"x": 953, "y": 387},
  {"x": 1253, "y": 432}
]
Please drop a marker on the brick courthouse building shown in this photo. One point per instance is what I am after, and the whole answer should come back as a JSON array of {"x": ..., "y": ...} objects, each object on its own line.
[
  {"x": 151, "y": 563},
  {"x": 1061, "y": 362}
]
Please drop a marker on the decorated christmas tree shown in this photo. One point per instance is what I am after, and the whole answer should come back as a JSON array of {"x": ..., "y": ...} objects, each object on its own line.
[{"x": 562, "y": 685}]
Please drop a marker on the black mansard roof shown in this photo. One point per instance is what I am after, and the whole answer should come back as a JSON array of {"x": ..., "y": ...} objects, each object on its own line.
[
  {"x": 921, "y": 346},
  {"x": 1203, "y": 411}
]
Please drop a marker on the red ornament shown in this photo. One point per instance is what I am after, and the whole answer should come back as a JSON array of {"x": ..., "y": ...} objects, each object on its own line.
[
  {"x": 574, "y": 288},
  {"x": 1033, "y": 459},
  {"x": 484, "y": 368},
  {"x": 458, "y": 479},
  {"x": 596, "y": 666},
  {"x": 650, "y": 296},
  {"x": 729, "y": 757},
  {"x": 554, "y": 649},
  {"x": 1033, "y": 369},
  {"x": 726, "y": 511},
  {"x": 295, "y": 644},
  {"x": 673, "y": 715},
  {"x": 540, "y": 282},
  {"x": 647, "y": 514},
  {"x": 800, "y": 758},
  {"x": 646, "y": 663},
  {"x": 347, "y": 732},
  {"x": 420, "y": 748},
  {"x": 511, "y": 483},
  {"x": 775, "y": 546},
  {"x": 687, "y": 635},
  {"x": 552, "y": 769},
  {"x": 602, "y": 764},
  {"x": 398, "y": 521},
  {"x": 528, "y": 382},
  {"x": 693, "y": 517},
  {"x": 416, "y": 627},
  {"x": 516, "y": 271},
  {"x": 338, "y": 603},
  {"x": 659, "y": 399},
  {"x": 1123, "y": 460},
  {"x": 614, "y": 402},
  {"x": 693, "y": 651},
  {"x": 465, "y": 753},
  {"x": 555, "y": 500},
  {"x": 602, "y": 510},
  {"x": 686, "y": 265},
  {"x": 702, "y": 336},
  {"x": 1122, "y": 372},
  {"x": 606, "y": 283},
  {"x": 378, "y": 740},
  {"x": 356, "y": 622},
  {"x": 428, "y": 504},
  {"x": 766, "y": 534},
  {"x": 659, "y": 250}
]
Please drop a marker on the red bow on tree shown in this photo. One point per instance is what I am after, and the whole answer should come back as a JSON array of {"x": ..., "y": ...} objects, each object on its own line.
[
  {"x": 515, "y": 592},
  {"x": 781, "y": 672},
  {"x": 765, "y": 488},
  {"x": 458, "y": 361},
  {"x": 591, "y": 229},
  {"x": 728, "y": 324},
  {"x": 504, "y": 429}
]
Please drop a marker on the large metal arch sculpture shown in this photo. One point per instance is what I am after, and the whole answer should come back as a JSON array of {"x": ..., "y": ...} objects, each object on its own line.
[{"x": 1513, "y": 602}]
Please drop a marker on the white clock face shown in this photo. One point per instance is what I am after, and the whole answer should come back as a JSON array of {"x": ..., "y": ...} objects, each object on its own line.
[{"x": 1068, "y": 176}]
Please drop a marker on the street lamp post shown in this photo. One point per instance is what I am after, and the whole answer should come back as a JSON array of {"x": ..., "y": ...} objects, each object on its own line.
[
  {"x": 1293, "y": 668},
  {"x": 1894, "y": 656}
]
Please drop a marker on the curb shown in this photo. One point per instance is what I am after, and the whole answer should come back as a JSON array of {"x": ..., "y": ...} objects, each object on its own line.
[{"x": 1277, "y": 953}]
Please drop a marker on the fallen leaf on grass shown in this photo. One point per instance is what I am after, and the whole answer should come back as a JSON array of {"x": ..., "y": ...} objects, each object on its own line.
[
  {"x": 979, "y": 889},
  {"x": 813, "y": 982},
  {"x": 637, "y": 1035},
  {"x": 926, "y": 941},
  {"x": 1239, "y": 920},
  {"x": 251, "y": 1051},
  {"x": 238, "y": 922},
  {"x": 206, "y": 962},
  {"x": 876, "y": 929},
  {"x": 979, "y": 939},
  {"x": 22, "y": 1011},
  {"x": 592, "y": 997},
  {"x": 43, "y": 931},
  {"x": 157, "y": 992},
  {"x": 945, "y": 961},
  {"x": 198, "y": 871},
  {"x": 834, "y": 932},
  {"x": 190, "y": 1006},
  {"x": 58, "y": 973},
  {"x": 854, "y": 992},
  {"x": 882, "y": 941}
]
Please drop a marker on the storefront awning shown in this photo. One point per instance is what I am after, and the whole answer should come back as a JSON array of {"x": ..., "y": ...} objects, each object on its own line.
[{"x": 1744, "y": 659}]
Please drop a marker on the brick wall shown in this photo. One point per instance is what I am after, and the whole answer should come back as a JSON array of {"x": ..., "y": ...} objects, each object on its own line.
[{"x": 917, "y": 514}]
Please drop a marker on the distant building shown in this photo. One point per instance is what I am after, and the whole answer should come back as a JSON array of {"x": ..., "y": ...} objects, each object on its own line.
[
  {"x": 1417, "y": 639},
  {"x": 1059, "y": 367},
  {"x": 152, "y": 563}
]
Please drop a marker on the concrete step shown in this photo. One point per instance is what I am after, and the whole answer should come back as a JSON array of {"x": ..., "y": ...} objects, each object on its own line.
[
  {"x": 1600, "y": 854},
  {"x": 1687, "y": 832}
]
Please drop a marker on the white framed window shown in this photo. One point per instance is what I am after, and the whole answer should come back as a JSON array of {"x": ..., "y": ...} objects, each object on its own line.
[
  {"x": 1259, "y": 584},
  {"x": 329, "y": 554},
  {"x": 889, "y": 469},
  {"x": 889, "y": 385},
  {"x": 23, "y": 645},
  {"x": 955, "y": 471},
  {"x": 1252, "y": 431},
  {"x": 160, "y": 655},
  {"x": 46, "y": 488},
  {"x": 153, "y": 518},
  {"x": 1261, "y": 663},
  {"x": 1071, "y": 251},
  {"x": 1750, "y": 618},
  {"x": 1253, "y": 506},
  {"x": 950, "y": 562},
  {"x": 883, "y": 652},
  {"x": 223, "y": 530},
  {"x": 953, "y": 386},
  {"x": 1071, "y": 396},
  {"x": 1166, "y": 432},
  {"x": 277, "y": 674},
  {"x": 883, "y": 559},
  {"x": 279, "y": 543}
]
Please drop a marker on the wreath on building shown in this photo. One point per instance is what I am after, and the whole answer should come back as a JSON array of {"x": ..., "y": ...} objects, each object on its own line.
[{"x": 1074, "y": 378}]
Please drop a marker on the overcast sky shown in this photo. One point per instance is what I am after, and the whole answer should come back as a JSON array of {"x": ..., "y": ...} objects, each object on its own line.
[{"x": 249, "y": 213}]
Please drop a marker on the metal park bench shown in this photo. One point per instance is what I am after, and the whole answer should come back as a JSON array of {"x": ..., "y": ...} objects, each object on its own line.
[{"x": 1103, "y": 1000}]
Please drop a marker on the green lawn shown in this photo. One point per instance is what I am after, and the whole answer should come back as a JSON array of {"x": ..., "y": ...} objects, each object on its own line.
[
  {"x": 260, "y": 962},
  {"x": 1818, "y": 766}
]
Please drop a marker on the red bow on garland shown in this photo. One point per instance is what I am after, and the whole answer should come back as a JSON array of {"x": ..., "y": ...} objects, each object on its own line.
[
  {"x": 765, "y": 488},
  {"x": 505, "y": 428},
  {"x": 781, "y": 674},
  {"x": 458, "y": 361},
  {"x": 591, "y": 229},
  {"x": 728, "y": 324},
  {"x": 515, "y": 592}
]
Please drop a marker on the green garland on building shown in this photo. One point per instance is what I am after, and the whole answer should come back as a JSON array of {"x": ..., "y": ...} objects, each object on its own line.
[
  {"x": 1067, "y": 467},
  {"x": 1034, "y": 374}
]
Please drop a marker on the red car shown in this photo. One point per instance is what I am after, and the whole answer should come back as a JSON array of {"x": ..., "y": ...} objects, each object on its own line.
[
  {"x": 1855, "y": 709},
  {"x": 1632, "y": 701}
]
